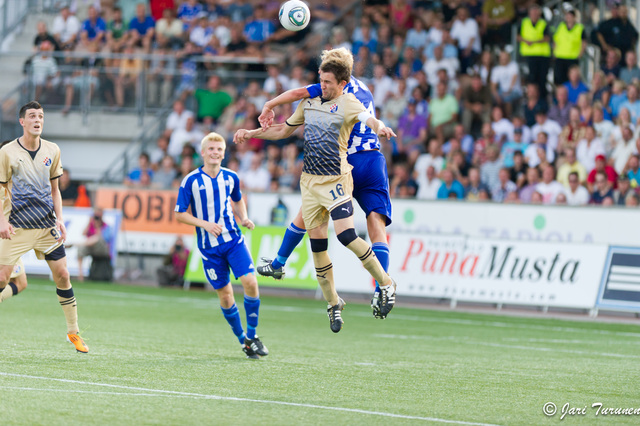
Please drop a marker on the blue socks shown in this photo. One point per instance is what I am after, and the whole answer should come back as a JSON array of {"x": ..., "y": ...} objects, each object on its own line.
[
  {"x": 382, "y": 253},
  {"x": 252, "y": 309},
  {"x": 232, "y": 315},
  {"x": 292, "y": 237}
]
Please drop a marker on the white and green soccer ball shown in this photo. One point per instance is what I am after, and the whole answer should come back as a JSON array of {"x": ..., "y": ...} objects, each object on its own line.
[{"x": 294, "y": 15}]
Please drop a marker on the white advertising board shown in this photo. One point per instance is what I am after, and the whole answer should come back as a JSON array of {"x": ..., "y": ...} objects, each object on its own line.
[
  {"x": 590, "y": 224},
  {"x": 491, "y": 271}
]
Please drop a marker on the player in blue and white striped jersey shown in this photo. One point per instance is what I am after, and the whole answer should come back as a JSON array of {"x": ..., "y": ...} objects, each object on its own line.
[
  {"x": 370, "y": 181},
  {"x": 209, "y": 198}
]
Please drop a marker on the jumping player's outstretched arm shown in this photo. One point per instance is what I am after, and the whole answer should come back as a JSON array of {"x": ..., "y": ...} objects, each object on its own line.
[
  {"x": 288, "y": 97},
  {"x": 274, "y": 133}
]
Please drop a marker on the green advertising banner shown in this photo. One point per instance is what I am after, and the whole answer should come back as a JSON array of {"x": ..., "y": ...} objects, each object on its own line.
[{"x": 264, "y": 241}]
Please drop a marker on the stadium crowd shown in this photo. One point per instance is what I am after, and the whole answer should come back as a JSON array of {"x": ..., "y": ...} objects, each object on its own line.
[{"x": 474, "y": 120}]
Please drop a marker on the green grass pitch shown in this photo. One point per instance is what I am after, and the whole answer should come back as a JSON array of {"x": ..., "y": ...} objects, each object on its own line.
[{"x": 167, "y": 357}]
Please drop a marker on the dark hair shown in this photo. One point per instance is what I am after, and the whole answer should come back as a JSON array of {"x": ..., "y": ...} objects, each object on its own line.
[
  {"x": 340, "y": 71},
  {"x": 30, "y": 105}
]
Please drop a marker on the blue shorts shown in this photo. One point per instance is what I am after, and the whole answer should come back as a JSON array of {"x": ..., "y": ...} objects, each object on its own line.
[
  {"x": 371, "y": 182},
  {"x": 217, "y": 260}
]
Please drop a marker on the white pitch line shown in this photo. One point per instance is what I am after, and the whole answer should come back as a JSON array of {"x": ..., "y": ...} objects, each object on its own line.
[
  {"x": 227, "y": 398},
  {"x": 459, "y": 339}
]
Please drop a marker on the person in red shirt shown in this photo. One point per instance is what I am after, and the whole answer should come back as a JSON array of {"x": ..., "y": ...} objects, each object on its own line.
[{"x": 601, "y": 165}]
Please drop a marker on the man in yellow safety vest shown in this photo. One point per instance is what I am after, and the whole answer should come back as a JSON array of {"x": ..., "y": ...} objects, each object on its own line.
[
  {"x": 569, "y": 42},
  {"x": 535, "y": 48}
]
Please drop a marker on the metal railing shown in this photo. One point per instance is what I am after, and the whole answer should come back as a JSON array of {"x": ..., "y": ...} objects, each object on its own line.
[{"x": 12, "y": 14}]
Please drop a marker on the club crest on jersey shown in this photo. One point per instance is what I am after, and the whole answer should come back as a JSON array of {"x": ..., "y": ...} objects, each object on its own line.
[
  {"x": 47, "y": 161},
  {"x": 334, "y": 108}
]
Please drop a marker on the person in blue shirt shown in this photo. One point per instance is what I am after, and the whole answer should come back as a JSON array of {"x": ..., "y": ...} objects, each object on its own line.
[
  {"x": 370, "y": 182},
  {"x": 575, "y": 86},
  {"x": 93, "y": 28},
  {"x": 259, "y": 28},
  {"x": 142, "y": 27},
  {"x": 450, "y": 186},
  {"x": 209, "y": 198}
]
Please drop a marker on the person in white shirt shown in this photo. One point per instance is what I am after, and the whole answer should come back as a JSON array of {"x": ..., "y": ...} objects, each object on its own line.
[
  {"x": 505, "y": 82},
  {"x": 602, "y": 127},
  {"x": 432, "y": 66},
  {"x": 502, "y": 128},
  {"x": 551, "y": 128},
  {"x": 588, "y": 148},
  {"x": 428, "y": 185},
  {"x": 549, "y": 188},
  {"x": 202, "y": 33},
  {"x": 433, "y": 157},
  {"x": 257, "y": 178},
  {"x": 577, "y": 195},
  {"x": 274, "y": 77},
  {"x": 466, "y": 32},
  {"x": 623, "y": 149},
  {"x": 538, "y": 151},
  {"x": 66, "y": 28},
  {"x": 383, "y": 85},
  {"x": 178, "y": 117},
  {"x": 190, "y": 134}
]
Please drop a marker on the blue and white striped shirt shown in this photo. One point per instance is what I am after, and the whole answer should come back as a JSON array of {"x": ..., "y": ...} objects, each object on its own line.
[
  {"x": 361, "y": 138},
  {"x": 210, "y": 200}
]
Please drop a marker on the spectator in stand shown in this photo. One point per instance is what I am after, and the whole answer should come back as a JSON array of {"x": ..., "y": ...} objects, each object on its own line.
[
  {"x": 599, "y": 87},
  {"x": 574, "y": 85},
  {"x": 535, "y": 49},
  {"x": 533, "y": 105},
  {"x": 505, "y": 82},
  {"x": 128, "y": 73},
  {"x": 450, "y": 185},
  {"x": 366, "y": 39},
  {"x": 464, "y": 140},
  {"x": 189, "y": 11},
  {"x": 169, "y": 30},
  {"x": 575, "y": 193},
  {"x": 602, "y": 127},
  {"x": 618, "y": 96},
  {"x": 632, "y": 103},
  {"x": 171, "y": 273},
  {"x": 527, "y": 191},
  {"x": 518, "y": 123},
  {"x": 212, "y": 101},
  {"x": 518, "y": 172},
  {"x": 258, "y": 28},
  {"x": 559, "y": 111},
  {"x": 401, "y": 184},
  {"x": 275, "y": 77},
  {"x": 116, "y": 34},
  {"x": 571, "y": 165},
  {"x": 395, "y": 105},
  {"x": 589, "y": 148},
  {"x": 475, "y": 185},
  {"x": 502, "y": 127},
  {"x": 617, "y": 32},
  {"x": 484, "y": 67},
  {"x": 623, "y": 148},
  {"x": 505, "y": 186},
  {"x": 433, "y": 157},
  {"x": 490, "y": 169},
  {"x": 383, "y": 85},
  {"x": 551, "y": 128},
  {"x": 603, "y": 167},
  {"x": 45, "y": 74},
  {"x": 476, "y": 101},
  {"x": 569, "y": 43},
  {"x": 449, "y": 49},
  {"x": 452, "y": 85},
  {"x": 257, "y": 178},
  {"x": 188, "y": 71},
  {"x": 178, "y": 117},
  {"x": 189, "y": 135},
  {"x": 630, "y": 74},
  {"x": 539, "y": 153},
  {"x": 466, "y": 33},
  {"x": 443, "y": 114},
  {"x": 428, "y": 185},
  {"x": 432, "y": 66},
  {"x": 611, "y": 66},
  {"x": 93, "y": 28},
  {"x": 624, "y": 190},
  {"x": 66, "y": 29},
  {"x": 401, "y": 16},
  {"x": 44, "y": 35},
  {"x": 159, "y": 151},
  {"x": 549, "y": 188},
  {"x": 85, "y": 78},
  {"x": 201, "y": 32},
  {"x": 417, "y": 37},
  {"x": 290, "y": 168},
  {"x": 497, "y": 16},
  {"x": 487, "y": 137},
  {"x": 511, "y": 146},
  {"x": 633, "y": 171},
  {"x": 412, "y": 132},
  {"x": 135, "y": 176},
  {"x": 142, "y": 28},
  {"x": 457, "y": 162},
  {"x": 164, "y": 176},
  {"x": 602, "y": 189}
]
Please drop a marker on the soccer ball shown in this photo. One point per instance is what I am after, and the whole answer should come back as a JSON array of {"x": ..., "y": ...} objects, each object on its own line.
[{"x": 294, "y": 15}]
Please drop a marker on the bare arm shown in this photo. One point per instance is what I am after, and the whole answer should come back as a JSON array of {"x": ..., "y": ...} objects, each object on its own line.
[
  {"x": 290, "y": 96},
  {"x": 379, "y": 127},
  {"x": 273, "y": 133},
  {"x": 57, "y": 208},
  {"x": 6, "y": 229},
  {"x": 240, "y": 209},
  {"x": 189, "y": 219}
]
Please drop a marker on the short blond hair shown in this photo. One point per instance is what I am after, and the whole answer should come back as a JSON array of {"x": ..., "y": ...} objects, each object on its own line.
[
  {"x": 212, "y": 137},
  {"x": 339, "y": 62}
]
